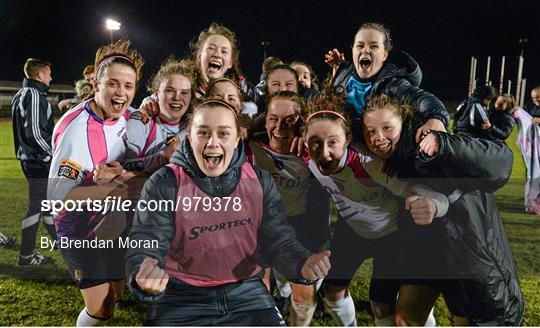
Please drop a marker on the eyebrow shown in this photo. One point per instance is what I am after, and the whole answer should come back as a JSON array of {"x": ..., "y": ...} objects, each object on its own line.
[{"x": 219, "y": 126}]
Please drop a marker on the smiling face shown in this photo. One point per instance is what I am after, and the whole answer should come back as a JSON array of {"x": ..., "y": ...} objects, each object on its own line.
[
  {"x": 281, "y": 124},
  {"x": 281, "y": 80},
  {"x": 369, "y": 52},
  {"x": 304, "y": 75},
  {"x": 174, "y": 96},
  {"x": 213, "y": 136},
  {"x": 215, "y": 57},
  {"x": 227, "y": 92},
  {"x": 382, "y": 130},
  {"x": 115, "y": 90},
  {"x": 327, "y": 143}
]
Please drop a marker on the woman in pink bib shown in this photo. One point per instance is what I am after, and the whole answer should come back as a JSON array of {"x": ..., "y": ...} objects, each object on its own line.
[{"x": 216, "y": 216}]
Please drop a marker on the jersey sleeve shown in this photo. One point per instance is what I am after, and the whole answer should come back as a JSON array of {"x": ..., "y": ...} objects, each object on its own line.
[
  {"x": 404, "y": 188},
  {"x": 138, "y": 129},
  {"x": 70, "y": 166}
]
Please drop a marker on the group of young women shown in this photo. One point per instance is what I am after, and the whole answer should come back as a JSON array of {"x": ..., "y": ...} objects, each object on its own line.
[{"x": 417, "y": 200}]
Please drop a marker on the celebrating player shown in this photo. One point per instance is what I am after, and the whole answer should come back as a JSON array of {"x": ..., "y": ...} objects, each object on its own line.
[
  {"x": 206, "y": 269},
  {"x": 88, "y": 142}
]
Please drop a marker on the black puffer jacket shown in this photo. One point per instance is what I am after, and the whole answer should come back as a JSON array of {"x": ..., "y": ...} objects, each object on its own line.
[
  {"x": 478, "y": 249},
  {"x": 502, "y": 124},
  {"x": 400, "y": 78},
  {"x": 277, "y": 243}
]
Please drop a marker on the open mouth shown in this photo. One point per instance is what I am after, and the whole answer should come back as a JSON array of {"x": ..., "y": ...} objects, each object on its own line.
[
  {"x": 212, "y": 160},
  {"x": 365, "y": 63},
  {"x": 383, "y": 147},
  {"x": 325, "y": 165},
  {"x": 214, "y": 65},
  {"x": 118, "y": 104},
  {"x": 280, "y": 136},
  {"x": 176, "y": 107}
]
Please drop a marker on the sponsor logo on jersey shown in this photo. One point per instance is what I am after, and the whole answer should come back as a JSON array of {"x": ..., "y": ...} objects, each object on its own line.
[
  {"x": 69, "y": 169},
  {"x": 140, "y": 116},
  {"x": 197, "y": 231}
]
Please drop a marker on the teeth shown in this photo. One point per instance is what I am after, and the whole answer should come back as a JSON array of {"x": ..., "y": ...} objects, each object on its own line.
[
  {"x": 214, "y": 64},
  {"x": 118, "y": 101},
  {"x": 279, "y": 136}
]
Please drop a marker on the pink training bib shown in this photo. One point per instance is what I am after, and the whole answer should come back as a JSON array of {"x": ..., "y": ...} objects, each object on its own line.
[{"x": 216, "y": 238}]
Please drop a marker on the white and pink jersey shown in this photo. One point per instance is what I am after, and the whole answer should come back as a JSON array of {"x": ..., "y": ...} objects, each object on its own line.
[
  {"x": 147, "y": 139},
  {"x": 81, "y": 140},
  {"x": 290, "y": 173},
  {"x": 365, "y": 195}
]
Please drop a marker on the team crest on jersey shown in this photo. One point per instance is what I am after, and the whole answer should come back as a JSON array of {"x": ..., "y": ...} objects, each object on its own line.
[
  {"x": 69, "y": 169},
  {"x": 140, "y": 116}
]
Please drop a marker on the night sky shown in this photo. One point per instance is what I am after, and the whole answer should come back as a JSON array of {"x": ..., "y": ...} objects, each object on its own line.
[{"x": 440, "y": 35}]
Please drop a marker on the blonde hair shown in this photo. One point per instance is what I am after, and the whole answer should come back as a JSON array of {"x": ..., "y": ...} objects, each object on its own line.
[
  {"x": 170, "y": 66},
  {"x": 400, "y": 108}
]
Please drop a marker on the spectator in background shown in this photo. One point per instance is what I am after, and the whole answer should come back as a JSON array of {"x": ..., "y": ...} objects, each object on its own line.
[
  {"x": 267, "y": 64},
  {"x": 306, "y": 79},
  {"x": 83, "y": 90},
  {"x": 534, "y": 107},
  {"x": 471, "y": 115},
  {"x": 32, "y": 131},
  {"x": 502, "y": 121},
  {"x": 90, "y": 74},
  {"x": 528, "y": 121}
]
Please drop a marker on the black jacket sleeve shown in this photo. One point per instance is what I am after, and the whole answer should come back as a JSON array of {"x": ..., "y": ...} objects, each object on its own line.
[
  {"x": 473, "y": 163},
  {"x": 425, "y": 104},
  {"x": 152, "y": 225},
  {"x": 36, "y": 128},
  {"x": 277, "y": 241},
  {"x": 502, "y": 126}
]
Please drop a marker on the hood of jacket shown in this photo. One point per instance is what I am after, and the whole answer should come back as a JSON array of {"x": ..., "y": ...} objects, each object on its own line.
[
  {"x": 219, "y": 186},
  {"x": 401, "y": 65}
]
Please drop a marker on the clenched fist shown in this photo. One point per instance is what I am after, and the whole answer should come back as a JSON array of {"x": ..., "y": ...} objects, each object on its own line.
[
  {"x": 105, "y": 173},
  {"x": 151, "y": 278},
  {"x": 423, "y": 210},
  {"x": 316, "y": 266}
]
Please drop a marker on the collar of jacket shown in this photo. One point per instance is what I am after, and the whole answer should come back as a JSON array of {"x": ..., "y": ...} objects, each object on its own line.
[
  {"x": 31, "y": 83},
  {"x": 398, "y": 64},
  {"x": 407, "y": 151},
  {"x": 219, "y": 186}
]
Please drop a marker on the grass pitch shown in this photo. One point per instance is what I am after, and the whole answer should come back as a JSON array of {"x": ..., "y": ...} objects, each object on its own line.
[{"x": 55, "y": 301}]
